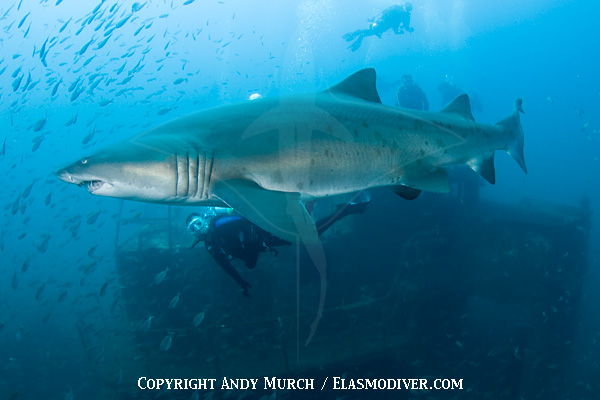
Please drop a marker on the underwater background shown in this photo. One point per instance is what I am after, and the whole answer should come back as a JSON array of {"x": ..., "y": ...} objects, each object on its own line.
[{"x": 499, "y": 289}]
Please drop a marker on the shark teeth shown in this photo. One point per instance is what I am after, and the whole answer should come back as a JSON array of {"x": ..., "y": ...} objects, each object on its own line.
[{"x": 92, "y": 186}]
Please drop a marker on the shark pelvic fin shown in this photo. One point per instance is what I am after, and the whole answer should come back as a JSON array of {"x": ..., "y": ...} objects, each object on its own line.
[
  {"x": 484, "y": 166},
  {"x": 360, "y": 85},
  {"x": 406, "y": 192},
  {"x": 461, "y": 105},
  {"x": 279, "y": 213}
]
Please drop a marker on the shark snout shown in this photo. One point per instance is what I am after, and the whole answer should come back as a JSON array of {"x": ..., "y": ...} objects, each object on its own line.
[{"x": 64, "y": 175}]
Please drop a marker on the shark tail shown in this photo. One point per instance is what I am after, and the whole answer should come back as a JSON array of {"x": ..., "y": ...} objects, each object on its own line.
[{"x": 512, "y": 125}]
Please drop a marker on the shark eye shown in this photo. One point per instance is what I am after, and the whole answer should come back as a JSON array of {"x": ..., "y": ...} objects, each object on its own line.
[{"x": 84, "y": 161}]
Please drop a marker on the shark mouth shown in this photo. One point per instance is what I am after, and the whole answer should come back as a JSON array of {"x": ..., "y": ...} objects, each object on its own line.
[{"x": 92, "y": 186}]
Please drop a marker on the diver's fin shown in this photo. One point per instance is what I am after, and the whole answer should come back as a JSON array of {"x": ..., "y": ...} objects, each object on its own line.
[
  {"x": 461, "y": 105},
  {"x": 360, "y": 84},
  {"x": 512, "y": 125},
  {"x": 484, "y": 166},
  {"x": 406, "y": 192},
  {"x": 432, "y": 180},
  {"x": 356, "y": 45},
  {"x": 279, "y": 213},
  {"x": 349, "y": 36}
]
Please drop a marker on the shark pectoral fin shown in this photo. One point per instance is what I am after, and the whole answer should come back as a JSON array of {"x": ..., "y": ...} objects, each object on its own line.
[
  {"x": 279, "y": 213},
  {"x": 406, "y": 192},
  {"x": 461, "y": 105},
  {"x": 484, "y": 166},
  {"x": 431, "y": 180}
]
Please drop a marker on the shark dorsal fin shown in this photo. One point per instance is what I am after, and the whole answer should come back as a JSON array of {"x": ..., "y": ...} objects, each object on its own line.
[
  {"x": 461, "y": 105},
  {"x": 360, "y": 84}
]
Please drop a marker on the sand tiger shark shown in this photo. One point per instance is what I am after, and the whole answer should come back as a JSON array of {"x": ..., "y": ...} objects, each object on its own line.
[{"x": 263, "y": 157}]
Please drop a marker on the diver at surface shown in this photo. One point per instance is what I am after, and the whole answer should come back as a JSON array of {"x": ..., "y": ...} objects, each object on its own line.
[
  {"x": 396, "y": 18},
  {"x": 410, "y": 95},
  {"x": 228, "y": 236}
]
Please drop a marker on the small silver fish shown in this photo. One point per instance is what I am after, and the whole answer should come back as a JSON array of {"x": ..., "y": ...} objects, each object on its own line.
[
  {"x": 161, "y": 276},
  {"x": 145, "y": 326},
  {"x": 174, "y": 301},
  {"x": 198, "y": 319},
  {"x": 39, "y": 124},
  {"x": 103, "y": 289},
  {"x": 93, "y": 217},
  {"x": 42, "y": 247},
  {"x": 27, "y": 190},
  {"x": 38, "y": 294},
  {"x": 166, "y": 343}
]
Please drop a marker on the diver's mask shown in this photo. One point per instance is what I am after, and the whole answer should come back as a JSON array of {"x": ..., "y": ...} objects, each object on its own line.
[{"x": 198, "y": 224}]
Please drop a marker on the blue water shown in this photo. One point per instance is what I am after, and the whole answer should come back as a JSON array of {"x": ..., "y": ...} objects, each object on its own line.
[{"x": 169, "y": 59}]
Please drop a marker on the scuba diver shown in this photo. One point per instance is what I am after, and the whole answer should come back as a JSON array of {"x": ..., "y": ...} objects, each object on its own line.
[
  {"x": 396, "y": 18},
  {"x": 410, "y": 95},
  {"x": 227, "y": 235},
  {"x": 450, "y": 91}
]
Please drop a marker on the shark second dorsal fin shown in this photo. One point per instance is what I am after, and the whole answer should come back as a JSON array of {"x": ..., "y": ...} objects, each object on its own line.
[
  {"x": 360, "y": 84},
  {"x": 461, "y": 105}
]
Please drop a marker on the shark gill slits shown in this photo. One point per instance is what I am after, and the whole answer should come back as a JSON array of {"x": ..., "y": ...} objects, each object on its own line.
[
  {"x": 193, "y": 174},
  {"x": 187, "y": 157},
  {"x": 182, "y": 169},
  {"x": 208, "y": 166},
  {"x": 197, "y": 173},
  {"x": 186, "y": 174},
  {"x": 202, "y": 175},
  {"x": 176, "y": 174}
]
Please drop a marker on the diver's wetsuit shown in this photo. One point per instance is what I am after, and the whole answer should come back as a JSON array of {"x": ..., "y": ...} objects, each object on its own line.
[
  {"x": 235, "y": 237},
  {"x": 232, "y": 236},
  {"x": 410, "y": 95}
]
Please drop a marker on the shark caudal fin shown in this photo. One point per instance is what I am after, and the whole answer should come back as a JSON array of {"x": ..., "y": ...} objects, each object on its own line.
[{"x": 512, "y": 125}]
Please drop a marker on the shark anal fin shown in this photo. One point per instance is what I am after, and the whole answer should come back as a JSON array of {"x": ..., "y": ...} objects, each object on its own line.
[
  {"x": 429, "y": 179},
  {"x": 360, "y": 84},
  {"x": 406, "y": 192},
  {"x": 484, "y": 166},
  {"x": 461, "y": 105},
  {"x": 279, "y": 213}
]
